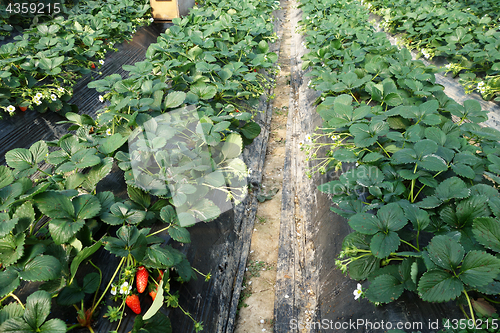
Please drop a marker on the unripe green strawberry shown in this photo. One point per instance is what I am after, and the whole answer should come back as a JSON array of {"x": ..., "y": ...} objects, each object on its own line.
[
  {"x": 133, "y": 303},
  {"x": 141, "y": 279}
]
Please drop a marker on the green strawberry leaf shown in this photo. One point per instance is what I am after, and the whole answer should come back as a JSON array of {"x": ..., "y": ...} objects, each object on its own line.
[
  {"x": 439, "y": 286},
  {"x": 384, "y": 288}
]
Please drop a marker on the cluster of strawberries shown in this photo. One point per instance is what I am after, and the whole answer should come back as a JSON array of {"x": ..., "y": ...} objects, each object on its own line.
[{"x": 141, "y": 281}]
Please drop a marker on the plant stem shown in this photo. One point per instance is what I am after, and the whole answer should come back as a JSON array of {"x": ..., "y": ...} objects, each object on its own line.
[
  {"x": 17, "y": 299},
  {"x": 490, "y": 300},
  {"x": 73, "y": 326},
  {"x": 161, "y": 230},
  {"x": 383, "y": 149},
  {"x": 470, "y": 306},
  {"x": 100, "y": 279},
  {"x": 109, "y": 284},
  {"x": 409, "y": 244}
]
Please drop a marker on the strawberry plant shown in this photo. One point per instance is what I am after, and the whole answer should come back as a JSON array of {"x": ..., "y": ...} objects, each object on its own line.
[
  {"x": 466, "y": 33},
  {"x": 419, "y": 190},
  {"x": 56, "y": 219},
  {"x": 39, "y": 69}
]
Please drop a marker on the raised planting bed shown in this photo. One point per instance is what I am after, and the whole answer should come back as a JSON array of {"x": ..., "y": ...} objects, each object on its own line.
[
  {"x": 407, "y": 242},
  {"x": 83, "y": 222}
]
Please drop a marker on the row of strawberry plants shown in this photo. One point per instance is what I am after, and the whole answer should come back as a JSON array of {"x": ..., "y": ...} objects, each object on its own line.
[
  {"x": 39, "y": 69},
  {"x": 466, "y": 35},
  {"x": 53, "y": 215},
  {"x": 15, "y": 18},
  {"x": 419, "y": 191}
]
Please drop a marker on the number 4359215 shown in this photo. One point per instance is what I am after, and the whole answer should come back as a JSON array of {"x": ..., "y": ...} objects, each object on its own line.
[
  {"x": 471, "y": 324},
  {"x": 34, "y": 8}
]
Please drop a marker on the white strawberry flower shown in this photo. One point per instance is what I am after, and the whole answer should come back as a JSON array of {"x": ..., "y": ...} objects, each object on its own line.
[
  {"x": 114, "y": 289},
  {"x": 101, "y": 62},
  {"x": 108, "y": 131},
  {"x": 308, "y": 138},
  {"x": 101, "y": 99},
  {"x": 125, "y": 288},
  {"x": 11, "y": 108},
  {"x": 37, "y": 101},
  {"x": 60, "y": 89},
  {"x": 358, "y": 292},
  {"x": 38, "y": 95},
  {"x": 151, "y": 19},
  {"x": 53, "y": 97}
]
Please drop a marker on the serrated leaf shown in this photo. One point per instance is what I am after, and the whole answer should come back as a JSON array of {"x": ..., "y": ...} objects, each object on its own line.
[
  {"x": 439, "y": 286},
  {"x": 179, "y": 234},
  {"x": 6, "y": 224},
  {"x": 86, "y": 206},
  {"x": 16, "y": 325},
  {"x": 19, "y": 159},
  {"x": 6, "y": 176},
  {"x": 11, "y": 310},
  {"x": 232, "y": 146},
  {"x": 384, "y": 289},
  {"x": 433, "y": 162},
  {"x": 41, "y": 268},
  {"x": 445, "y": 252},
  {"x": 139, "y": 196},
  {"x": 164, "y": 257},
  {"x": 418, "y": 217},
  {"x": 62, "y": 230},
  {"x": 479, "y": 268},
  {"x": 82, "y": 255},
  {"x": 97, "y": 173},
  {"x": 9, "y": 281},
  {"x": 392, "y": 217},
  {"x": 452, "y": 187},
  {"x": 360, "y": 269},
  {"x": 185, "y": 270},
  {"x": 55, "y": 205},
  {"x": 463, "y": 170},
  {"x": 39, "y": 151},
  {"x": 107, "y": 199},
  {"x": 383, "y": 244},
  {"x": 11, "y": 248},
  {"x": 110, "y": 144},
  {"x": 53, "y": 326},
  {"x": 167, "y": 214},
  {"x": 365, "y": 223},
  {"x": 174, "y": 99},
  {"x": 37, "y": 308}
]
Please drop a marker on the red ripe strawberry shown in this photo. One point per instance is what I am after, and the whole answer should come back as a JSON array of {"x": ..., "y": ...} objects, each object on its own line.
[
  {"x": 23, "y": 108},
  {"x": 141, "y": 279},
  {"x": 92, "y": 65},
  {"x": 133, "y": 303},
  {"x": 152, "y": 294},
  {"x": 255, "y": 70}
]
